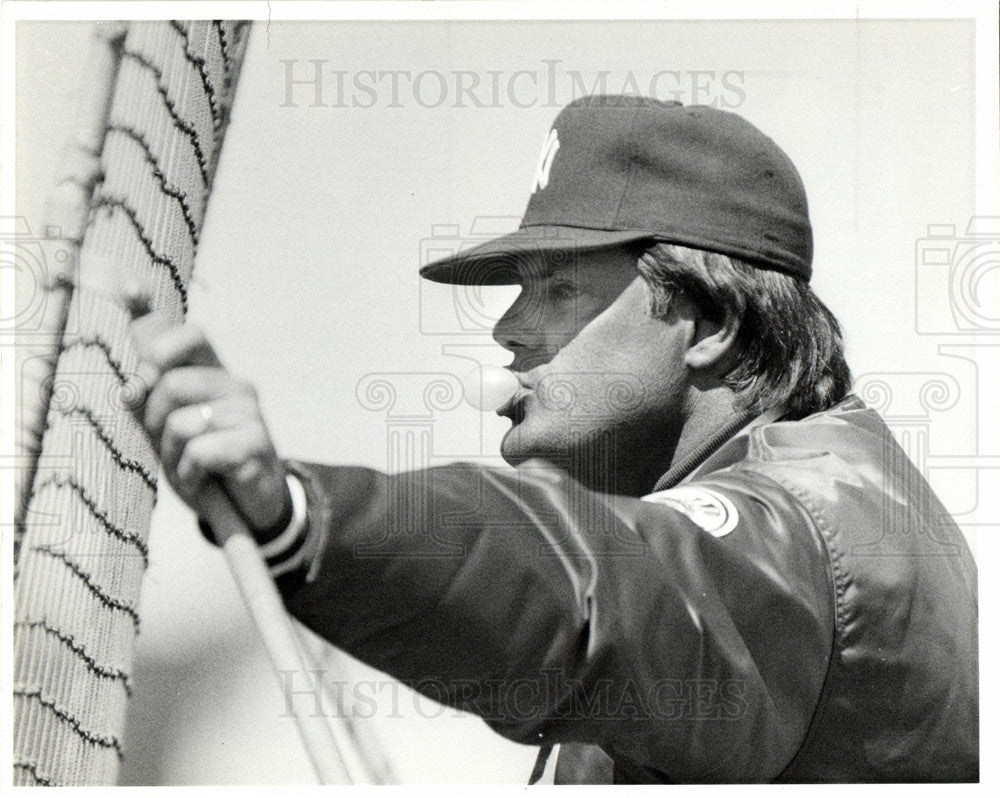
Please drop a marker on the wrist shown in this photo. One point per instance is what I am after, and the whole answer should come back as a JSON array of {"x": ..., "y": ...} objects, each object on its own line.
[
  {"x": 266, "y": 533},
  {"x": 285, "y": 551}
]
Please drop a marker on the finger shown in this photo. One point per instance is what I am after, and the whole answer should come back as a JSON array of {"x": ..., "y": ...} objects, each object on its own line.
[
  {"x": 137, "y": 300},
  {"x": 228, "y": 453},
  {"x": 145, "y": 329},
  {"x": 188, "y": 385},
  {"x": 143, "y": 332},
  {"x": 139, "y": 385},
  {"x": 162, "y": 346},
  {"x": 244, "y": 460},
  {"x": 184, "y": 345},
  {"x": 190, "y": 421}
]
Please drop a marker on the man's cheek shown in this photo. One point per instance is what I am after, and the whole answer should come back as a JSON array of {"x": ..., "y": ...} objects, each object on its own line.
[{"x": 594, "y": 397}]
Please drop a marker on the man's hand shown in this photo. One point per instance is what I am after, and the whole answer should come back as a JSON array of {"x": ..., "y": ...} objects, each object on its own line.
[{"x": 205, "y": 423}]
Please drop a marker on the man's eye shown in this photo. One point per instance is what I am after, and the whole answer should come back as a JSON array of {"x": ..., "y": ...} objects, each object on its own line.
[{"x": 563, "y": 289}]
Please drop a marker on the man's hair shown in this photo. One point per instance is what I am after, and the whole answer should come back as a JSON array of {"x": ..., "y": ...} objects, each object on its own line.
[{"x": 789, "y": 349}]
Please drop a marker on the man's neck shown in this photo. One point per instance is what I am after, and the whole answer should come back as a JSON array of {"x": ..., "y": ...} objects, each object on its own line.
[
  {"x": 706, "y": 414},
  {"x": 636, "y": 470},
  {"x": 710, "y": 422}
]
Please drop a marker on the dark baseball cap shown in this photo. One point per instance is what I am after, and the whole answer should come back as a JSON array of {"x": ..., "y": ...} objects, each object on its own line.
[{"x": 618, "y": 170}]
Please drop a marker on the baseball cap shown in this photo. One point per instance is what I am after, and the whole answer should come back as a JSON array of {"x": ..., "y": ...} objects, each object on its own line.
[{"x": 619, "y": 169}]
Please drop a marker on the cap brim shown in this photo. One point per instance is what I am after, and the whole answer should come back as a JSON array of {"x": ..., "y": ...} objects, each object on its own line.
[{"x": 502, "y": 261}]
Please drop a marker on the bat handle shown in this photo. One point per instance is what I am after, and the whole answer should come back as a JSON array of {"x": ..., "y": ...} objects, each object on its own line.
[{"x": 262, "y": 600}]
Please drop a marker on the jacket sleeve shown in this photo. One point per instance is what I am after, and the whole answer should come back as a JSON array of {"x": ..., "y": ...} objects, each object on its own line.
[{"x": 558, "y": 614}]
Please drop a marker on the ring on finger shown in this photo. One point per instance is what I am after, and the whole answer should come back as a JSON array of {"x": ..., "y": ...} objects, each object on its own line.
[{"x": 206, "y": 414}]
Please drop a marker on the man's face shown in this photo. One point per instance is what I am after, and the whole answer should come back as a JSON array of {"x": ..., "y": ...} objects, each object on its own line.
[{"x": 604, "y": 382}]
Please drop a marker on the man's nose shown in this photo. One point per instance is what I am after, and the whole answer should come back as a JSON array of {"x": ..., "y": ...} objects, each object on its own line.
[
  {"x": 513, "y": 329},
  {"x": 522, "y": 331}
]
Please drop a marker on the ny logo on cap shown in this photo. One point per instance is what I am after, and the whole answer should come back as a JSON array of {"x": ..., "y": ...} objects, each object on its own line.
[{"x": 549, "y": 150}]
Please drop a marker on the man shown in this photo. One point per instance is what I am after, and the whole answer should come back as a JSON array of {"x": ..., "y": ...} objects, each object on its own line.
[{"x": 711, "y": 563}]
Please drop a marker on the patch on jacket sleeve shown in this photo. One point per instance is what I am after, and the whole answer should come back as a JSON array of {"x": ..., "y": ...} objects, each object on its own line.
[{"x": 710, "y": 510}]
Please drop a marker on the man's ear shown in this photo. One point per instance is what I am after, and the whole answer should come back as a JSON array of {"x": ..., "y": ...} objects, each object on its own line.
[{"x": 711, "y": 346}]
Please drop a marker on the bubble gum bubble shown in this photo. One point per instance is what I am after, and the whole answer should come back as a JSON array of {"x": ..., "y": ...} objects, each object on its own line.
[{"x": 489, "y": 387}]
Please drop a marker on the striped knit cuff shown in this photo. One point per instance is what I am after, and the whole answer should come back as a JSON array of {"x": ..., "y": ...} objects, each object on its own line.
[
  {"x": 287, "y": 552},
  {"x": 320, "y": 521}
]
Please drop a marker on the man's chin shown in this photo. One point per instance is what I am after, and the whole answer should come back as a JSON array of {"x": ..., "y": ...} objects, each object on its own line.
[
  {"x": 512, "y": 448},
  {"x": 522, "y": 443},
  {"x": 591, "y": 463},
  {"x": 519, "y": 445}
]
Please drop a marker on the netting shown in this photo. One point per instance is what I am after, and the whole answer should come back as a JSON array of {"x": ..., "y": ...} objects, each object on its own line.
[{"x": 129, "y": 205}]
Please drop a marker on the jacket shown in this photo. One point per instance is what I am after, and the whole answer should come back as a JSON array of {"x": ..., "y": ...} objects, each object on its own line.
[{"x": 799, "y": 608}]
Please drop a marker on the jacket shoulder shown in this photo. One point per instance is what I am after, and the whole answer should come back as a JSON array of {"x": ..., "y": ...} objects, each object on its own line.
[{"x": 905, "y": 593}]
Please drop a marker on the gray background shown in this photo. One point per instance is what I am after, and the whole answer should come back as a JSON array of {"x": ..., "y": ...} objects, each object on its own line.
[{"x": 321, "y": 216}]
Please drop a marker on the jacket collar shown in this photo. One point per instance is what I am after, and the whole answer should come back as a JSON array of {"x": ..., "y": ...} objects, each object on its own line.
[
  {"x": 725, "y": 447},
  {"x": 730, "y": 444}
]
